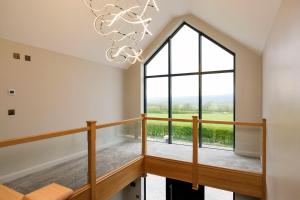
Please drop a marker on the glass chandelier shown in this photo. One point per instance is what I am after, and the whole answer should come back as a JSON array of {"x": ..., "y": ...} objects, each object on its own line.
[{"x": 125, "y": 24}]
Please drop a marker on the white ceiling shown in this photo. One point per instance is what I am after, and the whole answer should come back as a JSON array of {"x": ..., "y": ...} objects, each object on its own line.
[{"x": 65, "y": 26}]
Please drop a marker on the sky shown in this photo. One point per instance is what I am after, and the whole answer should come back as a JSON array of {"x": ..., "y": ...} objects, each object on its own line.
[
  {"x": 185, "y": 59},
  {"x": 183, "y": 86}
]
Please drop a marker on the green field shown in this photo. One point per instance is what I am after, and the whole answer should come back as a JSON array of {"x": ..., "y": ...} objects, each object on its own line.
[{"x": 216, "y": 135}]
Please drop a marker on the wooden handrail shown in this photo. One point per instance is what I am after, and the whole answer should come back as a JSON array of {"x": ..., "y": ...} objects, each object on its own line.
[
  {"x": 168, "y": 119},
  {"x": 48, "y": 135},
  {"x": 231, "y": 123},
  {"x": 91, "y": 134},
  {"x": 110, "y": 124},
  {"x": 38, "y": 137},
  {"x": 206, "y": 121},
  {"x": 195, "y": 135}
]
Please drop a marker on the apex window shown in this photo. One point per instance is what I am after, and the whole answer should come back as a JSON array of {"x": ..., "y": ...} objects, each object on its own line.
[{"x": 190, "y": 74}]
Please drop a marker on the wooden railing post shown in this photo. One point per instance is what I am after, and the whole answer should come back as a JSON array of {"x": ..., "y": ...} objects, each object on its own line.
[
  {"x": 92, "y": 158},
  {"x": 144, "y": 134},
  {"x": 195, "y": 151},
  {"x": 264, "y": 156}
]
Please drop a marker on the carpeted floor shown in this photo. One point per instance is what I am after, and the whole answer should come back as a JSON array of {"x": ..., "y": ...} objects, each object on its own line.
[
  {"x": 209, "y": 156},
  {"x": 73, "y": 174}
]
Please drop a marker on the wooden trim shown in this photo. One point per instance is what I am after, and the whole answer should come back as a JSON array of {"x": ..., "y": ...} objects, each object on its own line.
[
  {"x": 144, "y": 134},
  {"x": 119, "y": 179},
  {"x": 123, "y": 167},
  {"x": 243, "y": 182},
  {"x": 114, "y": 181},
  {"x": 168, "y": 119},
  {"x": 128, "y": 121},
  {"x": 169, "y": 168},
  {"x": 43, "y": 136},
  {"x": 92, "y": 158},
  {"x": 231, "y": 123},
  {"x": 206, "y": 121},
  {"x": 264, "y": 157},
  {"x": 195, "y": 151},
  {"x": 82, "y": 193}
]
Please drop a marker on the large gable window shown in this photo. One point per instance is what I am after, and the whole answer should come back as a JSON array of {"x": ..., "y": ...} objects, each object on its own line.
[{"x": 190, "y": 74}]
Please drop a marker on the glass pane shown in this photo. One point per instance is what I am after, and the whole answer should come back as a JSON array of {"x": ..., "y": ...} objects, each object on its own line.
[
  {"x": 233, "y": 159},
  {"x": 157, "y": 106},
  {"x": 116, "y": 146},
  {"x": 185, "y": 103},
  {"x": 185, "y": 51},
  {"x": 217, "y": 104},
  {"x": 214, "y": 57},
  {"x": 160, "y": 63},
  {"x": 70, "y": 172}
]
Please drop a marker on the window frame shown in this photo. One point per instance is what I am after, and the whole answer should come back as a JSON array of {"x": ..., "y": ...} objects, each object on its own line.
[{"x": 168, "y": 42}]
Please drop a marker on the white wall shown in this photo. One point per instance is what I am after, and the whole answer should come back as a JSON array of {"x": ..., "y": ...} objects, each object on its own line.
[
  {"x": 248, "y": 82},
  {"x": 281, "y": 103},
  {"x": 130, "y": 192},
  {"x": 53, "y": 92}
]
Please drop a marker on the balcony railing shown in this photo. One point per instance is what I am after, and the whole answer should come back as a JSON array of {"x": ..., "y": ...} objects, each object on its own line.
[{"x": 110, "y": 183}]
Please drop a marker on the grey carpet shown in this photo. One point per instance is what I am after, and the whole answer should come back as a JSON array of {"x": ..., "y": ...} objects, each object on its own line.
[
  {"x": 73, "y": 174},
  {"x": 209, "y": 156}
]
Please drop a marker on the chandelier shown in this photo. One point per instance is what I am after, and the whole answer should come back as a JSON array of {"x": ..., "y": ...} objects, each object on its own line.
[{"x": 125, "y": 23}]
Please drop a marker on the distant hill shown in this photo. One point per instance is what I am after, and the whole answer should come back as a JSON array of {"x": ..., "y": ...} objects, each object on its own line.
[{"x": 222, "y": 99}]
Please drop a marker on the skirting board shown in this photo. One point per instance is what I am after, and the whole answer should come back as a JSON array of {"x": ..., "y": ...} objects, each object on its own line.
[
  {"x": 37, "y": 168},
  {"x": 247, "y": 153}
]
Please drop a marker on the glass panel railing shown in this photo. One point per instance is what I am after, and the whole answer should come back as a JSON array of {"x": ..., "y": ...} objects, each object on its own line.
[
  {"x": 157, "y": 131},
  {"x": 246, "y": 154},
  {"x": 116, "y": 146},
  {"x": 165, "y": 148},
  {"x": 217, "y": 136},
  {"x": 30, "y": 166}
]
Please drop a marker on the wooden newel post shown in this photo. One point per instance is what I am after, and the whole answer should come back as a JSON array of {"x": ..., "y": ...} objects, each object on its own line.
[
  {"x": 92, "y": 158},
  {"x": 144, "y": 134},
  {"x": 195, "y": 151},
  {"x": 264, "y": 155}
]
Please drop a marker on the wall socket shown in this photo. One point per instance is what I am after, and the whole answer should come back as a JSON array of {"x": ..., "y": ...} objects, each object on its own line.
[
  {"x": 11, "y": 112},
  {"x": 16, "y": 56},
  {"x": 27, "y": 58}
]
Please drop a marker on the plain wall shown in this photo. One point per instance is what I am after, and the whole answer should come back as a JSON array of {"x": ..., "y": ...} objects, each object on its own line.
[
  {"x": 281, "y": 103},
  {"x": 53, "y": 92},
  {"x": 248, "y": 82}
]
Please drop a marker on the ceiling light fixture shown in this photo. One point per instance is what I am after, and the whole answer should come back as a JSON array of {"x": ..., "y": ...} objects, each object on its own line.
[{"x": 125, "y": 24}]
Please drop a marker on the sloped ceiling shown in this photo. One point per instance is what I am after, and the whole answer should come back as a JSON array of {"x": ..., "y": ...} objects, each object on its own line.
[{"x": 65, "y": 26}]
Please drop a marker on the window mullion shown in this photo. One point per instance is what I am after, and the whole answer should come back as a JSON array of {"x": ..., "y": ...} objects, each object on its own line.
[
  {"x": 170, "y": 92},
  {"x": 200, "y": 89}
]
